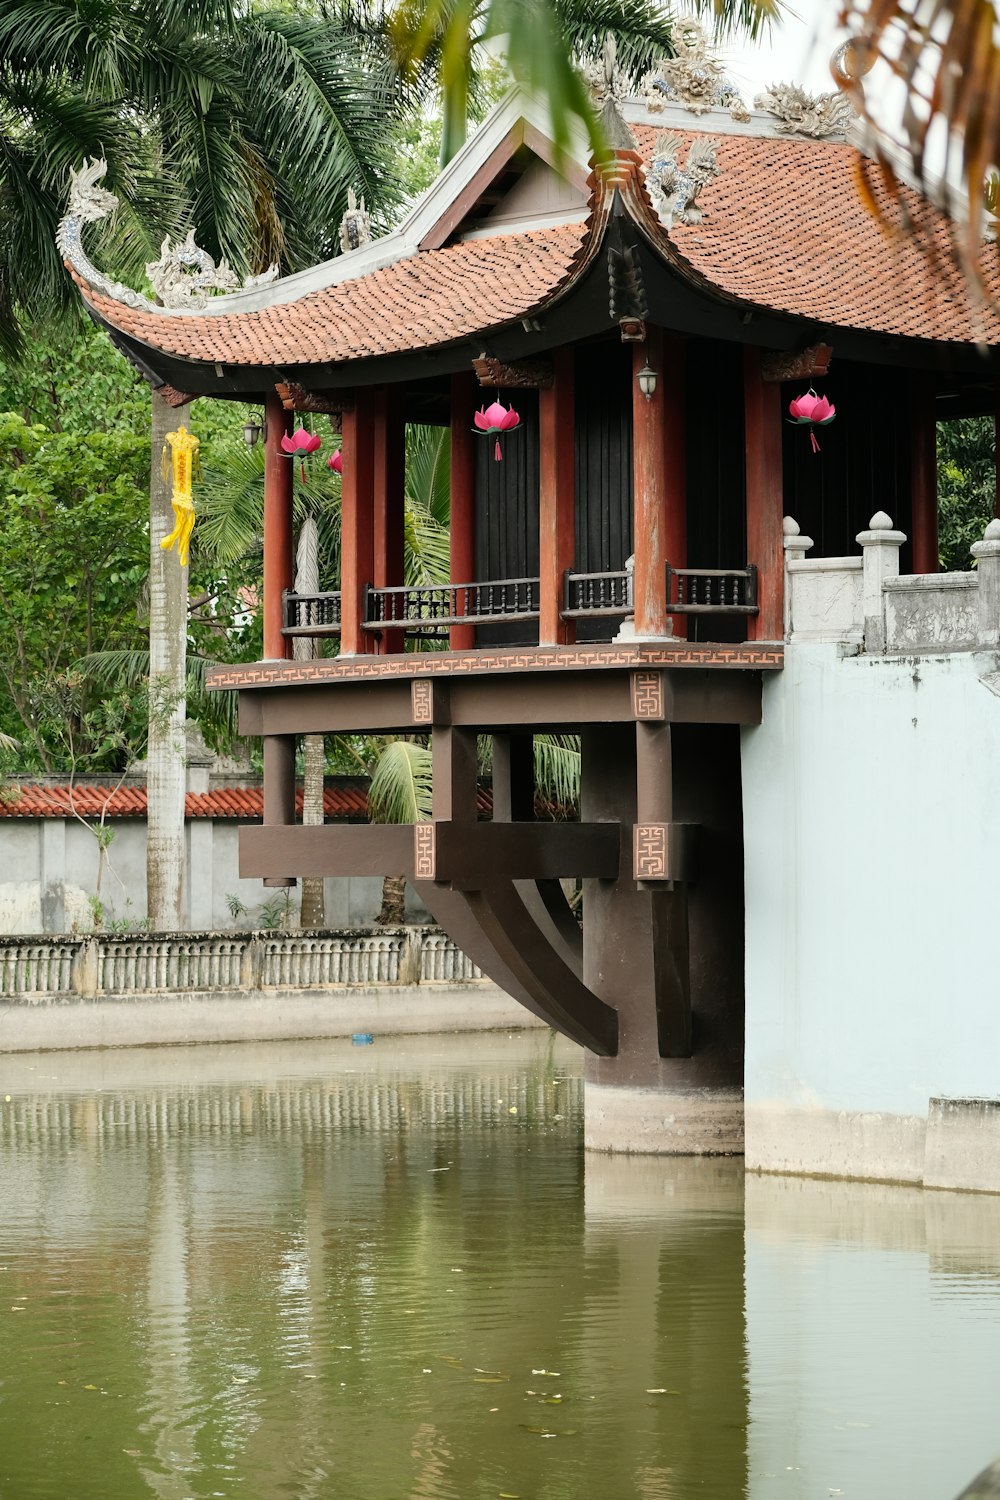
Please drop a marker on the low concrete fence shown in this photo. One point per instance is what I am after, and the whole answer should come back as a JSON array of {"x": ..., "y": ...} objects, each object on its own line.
[
  {"x": 865, "y": 602},
  {"x": 95, "y": 965}
]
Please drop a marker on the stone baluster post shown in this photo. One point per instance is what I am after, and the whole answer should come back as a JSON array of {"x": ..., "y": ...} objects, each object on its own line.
[
  {"x": 796, "y": 546},
  {"x": 880, "y": 545},
  {"x": 987, "y": 555}
]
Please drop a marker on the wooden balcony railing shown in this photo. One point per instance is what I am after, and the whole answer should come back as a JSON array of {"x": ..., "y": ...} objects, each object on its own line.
[{"x": 429, "y": 612}]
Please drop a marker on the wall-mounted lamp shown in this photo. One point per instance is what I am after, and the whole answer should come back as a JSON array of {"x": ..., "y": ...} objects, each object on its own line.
[
  {"x": 253, "y": 431},
  {"x": 647, "y": 381}
]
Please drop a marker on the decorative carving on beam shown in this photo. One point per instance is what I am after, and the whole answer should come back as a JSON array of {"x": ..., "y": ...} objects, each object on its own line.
[
  {"x": 807, "y": 364},
  {"x": 174, "y": 397},
  {"x": 663, "y": 851},
  {"x": 424, "y": 860},
  {"x": 626, "y": 285},
  {"x": 295, "y": 397},
  {"x": 522, "y": 374},
  {"x": 799, "y": 113},
  {"x": 423, "y": 701},
  {"x": 647, "y": 695}
]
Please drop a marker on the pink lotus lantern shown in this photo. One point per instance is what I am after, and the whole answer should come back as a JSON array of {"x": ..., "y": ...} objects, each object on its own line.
[
  {"x": 299, "y": 445},
  {"x": 494, "y": 420},
  {"x": 812, "y": 411},
  {"x": 335, "y": 462}
]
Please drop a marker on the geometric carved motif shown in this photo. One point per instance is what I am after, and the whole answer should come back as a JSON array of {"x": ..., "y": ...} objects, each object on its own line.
[
  {"x": 748, "y": 656},
  {"x": 422, "y": 702},
  {"x": 647, "y": 695},
  {"x": 424, "y": 854},
  {"x": 649, "y": 851}
]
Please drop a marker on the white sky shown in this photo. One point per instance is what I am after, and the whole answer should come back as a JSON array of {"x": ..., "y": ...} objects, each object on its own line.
[{"x": 798, "y": 51}]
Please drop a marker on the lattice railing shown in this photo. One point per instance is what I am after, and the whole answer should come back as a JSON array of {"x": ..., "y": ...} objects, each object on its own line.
[
  {"x": 711, "y": 591},
  {"x": 597, "y": 594},
  {"x": 310, "y": 614},
  {"x": 431, "y": 610}
]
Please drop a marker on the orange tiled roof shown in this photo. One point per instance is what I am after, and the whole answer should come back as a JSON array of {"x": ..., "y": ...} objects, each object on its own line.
[
  {"x": 784, "y": 228},
  {"x": 416, "y": 303},
  {"x": 33, "y": 801}
]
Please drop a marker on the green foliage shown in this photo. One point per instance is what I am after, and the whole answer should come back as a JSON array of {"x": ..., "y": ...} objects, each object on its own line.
[
  {"x": 401, "y": 790},
  {"x": 966, "y": 467},
  {"x": 72, "y": 569}
]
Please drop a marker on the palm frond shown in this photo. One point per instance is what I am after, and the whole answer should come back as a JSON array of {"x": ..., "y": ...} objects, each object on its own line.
[
  {"x": 642, "y": 30},
  {"x": 401, "y": 790},
  {"x": 753, "y": 17},
  {"x": 557, "y": 768}
]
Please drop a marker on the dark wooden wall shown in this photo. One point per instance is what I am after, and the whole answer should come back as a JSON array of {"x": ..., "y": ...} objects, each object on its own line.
[
  {"x": 864, "y": 462},
  {"x": 507, "y": 509}
]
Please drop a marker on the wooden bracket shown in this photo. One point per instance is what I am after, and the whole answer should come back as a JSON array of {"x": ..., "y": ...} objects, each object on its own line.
[
  {"x": 295, "y": 397},
  {"x": 520, "y": 374},
  {"x": 807, "y": 364}
]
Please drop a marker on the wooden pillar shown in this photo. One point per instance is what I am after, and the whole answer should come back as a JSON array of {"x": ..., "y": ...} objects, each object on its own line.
[
  {"x": 389, "y": 441},
  {"x": 556, "y": 500},
  {"x": 660, "y": 520},
  {"x": 357, "y": 535},
  {"x": 923, "y": 449},
  {"x": 465, "y": 394},
  {"x": 278, "y": 558},
  {"x": 513, "y": 778},
  {"x": 279, "y": 788},
  {"x": 764, "y": 497}
]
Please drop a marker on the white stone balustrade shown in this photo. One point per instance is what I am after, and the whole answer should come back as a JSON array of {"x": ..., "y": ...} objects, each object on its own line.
[
  {"x": 866, "y": 603},
  {"x": 103, "y": 964}
]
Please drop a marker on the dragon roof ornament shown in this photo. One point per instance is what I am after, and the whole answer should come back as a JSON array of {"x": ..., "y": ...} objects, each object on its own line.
[
  {"x": 799, "y": 113},
  {"x": 183, "y": 277},
  {"x": 674, "y": 189},
  {"x": 694, "y": 78},
  {"x": 356, "y": 225}
]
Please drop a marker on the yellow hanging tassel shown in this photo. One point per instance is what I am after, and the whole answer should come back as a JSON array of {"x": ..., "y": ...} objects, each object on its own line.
[{"x": 184, "y": 457}]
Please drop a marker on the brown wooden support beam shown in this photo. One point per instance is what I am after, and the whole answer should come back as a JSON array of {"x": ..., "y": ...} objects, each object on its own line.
[
  {"x": 520, "y": 374},
  {"x": 513, "y": 778},
  {"x": 924, "y": 513},
  {"x": 764, "y": 497},
  {"x": 807, "y": 364},
  {"x": 389, "y": 441},
  {"x": 279, "y": 797},
  {"x": 455, "y": 771},
  {"x": 357, "y": 534},
  {"x": 464, "y": 394},
  {"x": 467, "y": 856},
  {"x": 556, "y": 500},
  {"x": 278, "y": 554},
  {"x": 660, "y": 522}
]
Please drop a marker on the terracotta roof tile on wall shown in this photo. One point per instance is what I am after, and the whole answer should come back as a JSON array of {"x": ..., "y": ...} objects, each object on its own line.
[
  {"x": 30, "y": 801},
  {"x": 785, "y": 228},
  {"x": 425, "y": 300}
]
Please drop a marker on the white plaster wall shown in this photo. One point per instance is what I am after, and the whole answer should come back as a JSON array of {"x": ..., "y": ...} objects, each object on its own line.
[{"x": 872, "y": 838}]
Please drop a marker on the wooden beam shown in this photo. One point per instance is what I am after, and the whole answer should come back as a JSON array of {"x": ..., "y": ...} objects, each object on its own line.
[
  {"x": 924, "y": 512},
  {"x": 467, "y": 856},
  {"x": 357, "y": 537},
  {"x": 455, "y": 771},
  {"x": 659, "y": 479},
  {"x": 295, "y": 397},
  {"x": 520, "y": 374},
  {"x": 764, "y": 497},
  {"x": 556, "y": 500},
  {"x": 278, "y": 558},
  {"x": 279, "y": 797},
  {"x": 389, "y": 440},
  {"x": 464, "y": 393}
]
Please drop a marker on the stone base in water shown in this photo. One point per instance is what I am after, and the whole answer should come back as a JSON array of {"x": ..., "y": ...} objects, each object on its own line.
[{"x": 636, "y": 1121}]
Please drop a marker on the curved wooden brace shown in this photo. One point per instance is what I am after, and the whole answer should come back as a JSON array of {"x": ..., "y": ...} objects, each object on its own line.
[
  {"x": 546, "y": 902},
  {"x": 499, "y": 933}
]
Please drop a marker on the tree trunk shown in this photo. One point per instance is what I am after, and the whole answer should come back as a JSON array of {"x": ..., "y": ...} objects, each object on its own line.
[
  {"x": 312, "y": 911},
  {"x": 393, "y": 912},
  {"x": 166, "y": 756}
]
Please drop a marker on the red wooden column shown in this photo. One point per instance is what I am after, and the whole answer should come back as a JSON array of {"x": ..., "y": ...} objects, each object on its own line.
[
  {"x": 660, "y": 520},
  {"x": 389, "y": 442},
  {"x": 357, "y": 530},
  {"x": 924, "y": 513},
  {"x": 278, "y": 552},
  {"x": 556, "y": 500},
  {"x": 764, "y": 488},
  {"x": 465, "y": 398}
]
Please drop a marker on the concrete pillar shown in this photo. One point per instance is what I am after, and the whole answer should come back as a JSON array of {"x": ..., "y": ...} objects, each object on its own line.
[
  {"x": 796, "y": 546},
  {"x": 880, "y": 544},
  {"x": 987, "y": 555},
  {"x": 642, "y": 1100}
]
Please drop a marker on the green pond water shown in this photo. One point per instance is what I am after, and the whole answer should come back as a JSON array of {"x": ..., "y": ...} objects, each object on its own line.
[{"x": 389, "y": 1273}]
